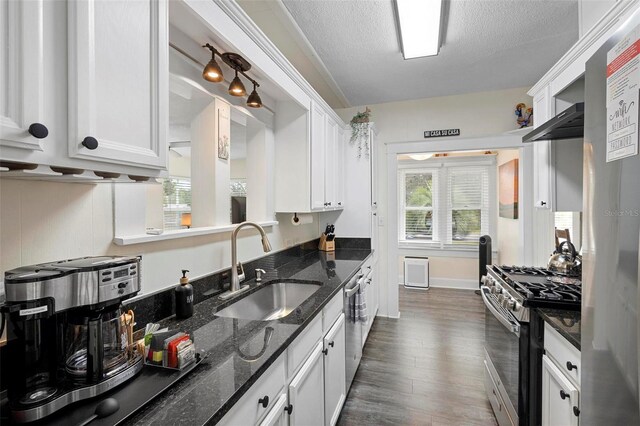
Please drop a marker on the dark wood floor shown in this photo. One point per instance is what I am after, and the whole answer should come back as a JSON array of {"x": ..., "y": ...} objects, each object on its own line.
[{"x": 425, "y": 368}]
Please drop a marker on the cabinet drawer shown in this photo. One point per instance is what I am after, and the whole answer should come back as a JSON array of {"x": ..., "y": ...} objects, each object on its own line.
[
  {"x": 332, "y": 311},
  {"x": 302, "y": 346},
  {"x": 563, "y": 353},
  {"x": 248, "y": 411}
]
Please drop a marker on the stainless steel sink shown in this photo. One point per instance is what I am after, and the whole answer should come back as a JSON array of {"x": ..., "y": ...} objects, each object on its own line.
[{"x": 273, "y": 301}]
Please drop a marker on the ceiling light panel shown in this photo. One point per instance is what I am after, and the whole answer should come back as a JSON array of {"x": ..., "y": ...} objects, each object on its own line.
[{"x": 419, "y": 22}]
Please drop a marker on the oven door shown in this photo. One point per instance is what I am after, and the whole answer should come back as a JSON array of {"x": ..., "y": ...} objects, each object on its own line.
[{"x": 502, "y": 346}]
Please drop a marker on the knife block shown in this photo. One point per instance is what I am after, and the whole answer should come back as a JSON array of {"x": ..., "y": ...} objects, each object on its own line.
[{"x": 326, "y": 245}]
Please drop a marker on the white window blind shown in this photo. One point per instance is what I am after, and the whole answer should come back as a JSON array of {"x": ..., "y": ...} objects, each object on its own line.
[
  {"x": 446, "y": 204},
  {"x": 418, "y": 200},
  {"x": 467, "y": 204},
  {"x": 176, "y": 200}
]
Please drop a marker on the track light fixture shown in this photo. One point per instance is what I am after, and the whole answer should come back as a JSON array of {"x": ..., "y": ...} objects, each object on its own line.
[{"x": 213, "y": 73}]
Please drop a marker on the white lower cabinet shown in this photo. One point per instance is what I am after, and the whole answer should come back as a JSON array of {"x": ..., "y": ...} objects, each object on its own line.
[
  {"x": 559, "y": 396},
  {"x": 560, "y": 380},
  {"x": 306, "y": 391},
  {"x": 306, "y": 385},
  {"x": 334, "y": 372},
  {"x": 259, "y": 399},
  {"x": 278, "y": 415}
]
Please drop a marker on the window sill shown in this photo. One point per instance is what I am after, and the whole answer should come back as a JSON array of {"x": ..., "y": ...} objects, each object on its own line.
[
  {"x": 435, "y": 251},
  {"x": 181, "y": 233}
]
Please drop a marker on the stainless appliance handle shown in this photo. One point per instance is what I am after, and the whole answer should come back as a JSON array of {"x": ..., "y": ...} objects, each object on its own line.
[
  {"x": 498, "y": 311},
  {"x": 352, "y": 290}
]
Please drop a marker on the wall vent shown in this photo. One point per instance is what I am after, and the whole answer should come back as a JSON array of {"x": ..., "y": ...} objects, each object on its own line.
[{"x": 416, "y": 272}]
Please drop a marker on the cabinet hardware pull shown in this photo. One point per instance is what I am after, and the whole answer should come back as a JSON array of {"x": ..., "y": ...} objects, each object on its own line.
[
  {"x": 90, "y": 142},
  {"x": 543, "y": 203},
  {"x": 340, "y": 203},
  {"x": 289, "y": 409},
  {"x": 564, "y": 395},
  {"x": 38, "y": 130},
  {"x": 571, "y": 366},
  {"x": 576, "y": 411},
  {"x": 325, "y": 351},
  {"x": 326, "y": 204},
  {"x": 331, "y": 343},
  {"x": 264, "y": 401}
]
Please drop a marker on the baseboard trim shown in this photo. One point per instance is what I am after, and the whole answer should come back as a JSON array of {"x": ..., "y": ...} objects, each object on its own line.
[{"x": 436, "y": 282}]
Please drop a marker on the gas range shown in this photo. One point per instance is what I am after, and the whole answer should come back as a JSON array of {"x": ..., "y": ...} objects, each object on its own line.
[{"x": 519, "y": 288}]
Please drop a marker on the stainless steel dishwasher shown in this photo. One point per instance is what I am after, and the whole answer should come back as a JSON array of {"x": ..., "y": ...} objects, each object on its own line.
[{"x": 353, "y": 332}]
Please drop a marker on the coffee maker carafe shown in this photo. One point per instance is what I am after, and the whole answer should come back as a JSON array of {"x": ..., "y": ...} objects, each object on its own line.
[{"x": 66, "y": 337}]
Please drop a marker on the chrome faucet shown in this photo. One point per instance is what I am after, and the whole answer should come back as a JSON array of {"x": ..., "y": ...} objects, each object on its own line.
[{"x": 235, "y": 280}]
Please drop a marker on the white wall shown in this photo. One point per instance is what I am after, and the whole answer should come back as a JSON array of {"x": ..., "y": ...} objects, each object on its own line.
[
  {"x": 475, "y": 114},
  {"x": 47, "y": 221},
  {"x": 508, "y": 243}
]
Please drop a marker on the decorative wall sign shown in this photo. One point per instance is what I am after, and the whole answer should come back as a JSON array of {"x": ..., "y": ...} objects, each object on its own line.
[
  {"x": 623, "y": 77},
  {"x": 224, "y": 131},
  {"x": 441, "y": 133},
  {"x": 508, "y": 189}
]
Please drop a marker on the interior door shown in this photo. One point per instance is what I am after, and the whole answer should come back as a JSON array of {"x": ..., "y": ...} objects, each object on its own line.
[
  {"x": 118, "y": 81},
  {"x": 306, "y": 391},
  {"x": 334, "y": 372}
]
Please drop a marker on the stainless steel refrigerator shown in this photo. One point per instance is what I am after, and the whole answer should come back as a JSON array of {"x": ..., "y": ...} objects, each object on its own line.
[{"x": 611, "y": 233}]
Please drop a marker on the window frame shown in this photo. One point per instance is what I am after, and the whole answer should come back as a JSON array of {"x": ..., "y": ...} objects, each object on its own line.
[
  {"x": 402, "y": 208},
  {"x": 439, "y": 167}
]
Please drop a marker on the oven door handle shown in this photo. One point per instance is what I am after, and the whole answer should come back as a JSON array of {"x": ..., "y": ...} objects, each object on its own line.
[
  {"x": 352, "y": 290},
  {"x": 512, "y": 326}
]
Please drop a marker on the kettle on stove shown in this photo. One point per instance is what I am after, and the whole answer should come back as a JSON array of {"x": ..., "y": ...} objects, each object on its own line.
[{"x": 565, "y": 260}]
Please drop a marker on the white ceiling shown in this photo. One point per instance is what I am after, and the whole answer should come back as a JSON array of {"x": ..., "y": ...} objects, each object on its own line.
[{"x": 486, "y": 45}]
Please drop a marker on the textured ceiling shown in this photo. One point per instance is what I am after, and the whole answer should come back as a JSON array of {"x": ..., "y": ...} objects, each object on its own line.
[{"x": 486, "y": 45}]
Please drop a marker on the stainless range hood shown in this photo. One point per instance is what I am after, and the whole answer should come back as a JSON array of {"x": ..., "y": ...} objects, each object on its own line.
[{"x": 569, "y": 124}]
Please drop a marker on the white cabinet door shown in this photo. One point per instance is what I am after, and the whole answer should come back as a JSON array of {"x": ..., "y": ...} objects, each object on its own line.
[
  {"x": 318, "y": 145},
  {"x": 559, "y": 397},
  {"x": 340, "y": 162},
  {"x": 334, "y": 372},
  {"x": 306, "y": 391},
  {"x": 542, "y": 161},
  {"x": 331, "y": 158},
  {"x": 21, "y": 74},
  {"x": 118, "y": 81},
  {"x": 277, "y": 416}
]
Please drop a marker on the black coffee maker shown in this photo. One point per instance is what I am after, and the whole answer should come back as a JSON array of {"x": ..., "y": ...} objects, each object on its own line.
[{"x": 66, "y": 337}]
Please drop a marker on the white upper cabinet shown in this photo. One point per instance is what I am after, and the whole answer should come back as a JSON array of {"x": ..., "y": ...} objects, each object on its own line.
[
  {"x": 340, "y": 164},
  {"x": 331, "y": 157},
  {"x": 309, "y": 146},
  {"x": 318, "y": 152},
  {"x": 542, "y": 106},
  {"x": 118, "y": 81},
  {"x": 22, "y": 75}
]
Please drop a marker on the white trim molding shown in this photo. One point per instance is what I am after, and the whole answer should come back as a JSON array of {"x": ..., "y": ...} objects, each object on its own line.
[
  {"x": 584, "y": 48},
  {"x": 457, "y": 283}
]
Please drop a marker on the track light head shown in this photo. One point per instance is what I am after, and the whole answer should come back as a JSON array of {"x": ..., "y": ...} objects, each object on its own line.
[
  {"x": 254, "y": 100},
  {"x": 236, "y": 88}
]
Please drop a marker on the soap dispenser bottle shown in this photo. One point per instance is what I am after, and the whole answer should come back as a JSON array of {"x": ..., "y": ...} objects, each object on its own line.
[{"x": 184, "y": 297}]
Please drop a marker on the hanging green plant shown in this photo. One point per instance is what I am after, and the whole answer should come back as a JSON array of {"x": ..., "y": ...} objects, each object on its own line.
[{"x": 360, "y": 132}]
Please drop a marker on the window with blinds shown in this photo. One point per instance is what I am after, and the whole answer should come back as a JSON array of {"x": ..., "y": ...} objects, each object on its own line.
[
  {"x": 418, "y": 200},
  {"x": 176, "y": 201},
  {"x": 467, "y": 204},
  {"x": 446, "y": 204}
]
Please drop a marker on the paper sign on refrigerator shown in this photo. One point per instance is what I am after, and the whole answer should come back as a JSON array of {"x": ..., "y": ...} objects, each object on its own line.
[{"x": 623, "y": 96}]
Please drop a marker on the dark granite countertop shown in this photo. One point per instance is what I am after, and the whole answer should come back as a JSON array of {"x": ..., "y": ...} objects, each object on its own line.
[
  {"x": 567, "y": 323},
  {"x": 207, "y": 394}
]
